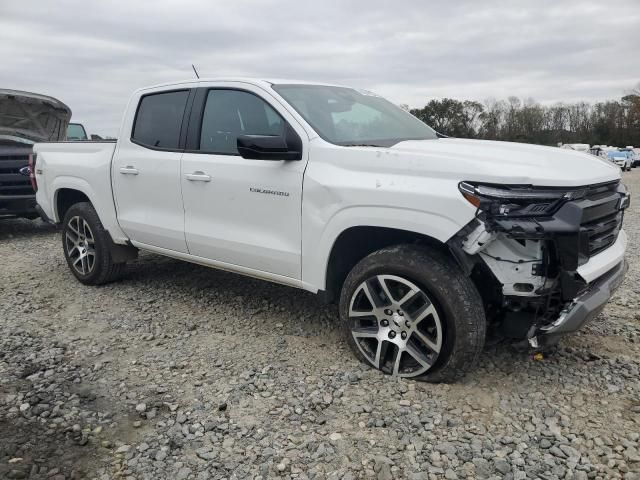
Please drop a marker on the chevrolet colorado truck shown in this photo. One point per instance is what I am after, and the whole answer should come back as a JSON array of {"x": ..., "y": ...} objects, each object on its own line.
[
  {"x": 424, "y": 242},
  {"x": 25, "y": 118}
]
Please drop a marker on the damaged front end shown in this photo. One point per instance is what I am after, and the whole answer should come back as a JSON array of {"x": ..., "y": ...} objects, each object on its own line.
[{"x": 545, "y": 259}]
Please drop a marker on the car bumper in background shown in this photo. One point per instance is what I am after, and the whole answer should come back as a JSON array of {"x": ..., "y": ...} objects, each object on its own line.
[{"x": 17, "y": 205}]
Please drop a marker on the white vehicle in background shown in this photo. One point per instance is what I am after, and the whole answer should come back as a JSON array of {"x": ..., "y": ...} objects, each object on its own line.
[
  {"x": 422, "y": 241},
  {"x": 634, "y": 153},
  {"x": 622, "y": 158},
  {"x": 579, "y": 147}
]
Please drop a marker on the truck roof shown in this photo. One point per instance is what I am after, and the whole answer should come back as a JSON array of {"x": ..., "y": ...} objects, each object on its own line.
[{"x": 263, "y": 82}]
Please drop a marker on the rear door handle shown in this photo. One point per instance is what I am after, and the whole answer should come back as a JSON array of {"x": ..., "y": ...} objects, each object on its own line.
[
  {"x": 198, "y": 177},
  {"x": 129, "y": 170}
]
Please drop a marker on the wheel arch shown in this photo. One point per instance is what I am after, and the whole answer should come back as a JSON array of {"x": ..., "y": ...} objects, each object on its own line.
[
  {"x": 356, "y": 242},
  {"x": 65, "y": 198},
  {"x": 68, "y": 190}
]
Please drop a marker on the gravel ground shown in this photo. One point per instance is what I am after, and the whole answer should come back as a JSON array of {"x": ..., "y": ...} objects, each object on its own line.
[{"x": 184, "y": 372}]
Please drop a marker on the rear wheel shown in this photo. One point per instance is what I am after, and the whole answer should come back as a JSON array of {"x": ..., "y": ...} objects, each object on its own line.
[
  {"x": 86, "y": 246},
  {"x": 409, "y": 311}
]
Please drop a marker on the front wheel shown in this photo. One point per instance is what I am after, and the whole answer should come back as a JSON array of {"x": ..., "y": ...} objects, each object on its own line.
[
  {"x": 409, "y": 311},
  {"x": 86, "y": 246}
]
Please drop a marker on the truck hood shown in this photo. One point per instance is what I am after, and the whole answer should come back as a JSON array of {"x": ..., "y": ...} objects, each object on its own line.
[
  {"x": 507, "y": 162},
  {"x": 30, "y": 117}
]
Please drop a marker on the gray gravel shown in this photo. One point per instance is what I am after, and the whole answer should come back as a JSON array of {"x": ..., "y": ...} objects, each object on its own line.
[{"x": 183, "y": 372}]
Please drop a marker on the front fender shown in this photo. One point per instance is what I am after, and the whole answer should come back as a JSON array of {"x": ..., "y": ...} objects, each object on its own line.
[{"x": 317, "y": 249}]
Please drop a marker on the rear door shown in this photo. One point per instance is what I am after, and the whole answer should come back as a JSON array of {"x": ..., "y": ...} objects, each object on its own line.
[
  {"x": 240, "y": 212},
  {"x": 146, "y": 171}
]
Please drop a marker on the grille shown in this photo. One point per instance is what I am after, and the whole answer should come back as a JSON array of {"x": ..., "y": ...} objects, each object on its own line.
[
  {"x": 597, "y": 192},
  {"x": 601, "y": 219},
  {"x": 12, "y": 182}
]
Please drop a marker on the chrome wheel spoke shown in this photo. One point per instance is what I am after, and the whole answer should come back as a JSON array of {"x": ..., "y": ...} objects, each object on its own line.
[
  {"x": 70, "y": 237},
  {"x": 408, "y": 296},
  {"x": 433, "y": 346},
  {"x": 365, "y": 332},
  {"x": 418, "y": 356},
  {"x": 396, "y": 363},
  {"x": 86, "y": 231},
  {"x": 385, "y": 289},
  {"x": 380, "y": 352},
  {"x": 364, "y": 288},
  {"x": 427, "y": 310},
  {"x": 75, "y": 263},
  {"x": 73, "y": 226}
]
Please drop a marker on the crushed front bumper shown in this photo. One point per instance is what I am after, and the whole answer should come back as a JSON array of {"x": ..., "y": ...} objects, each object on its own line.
[
  {"x": 551, "y": 273},
  {"x": 589, "y": 305}
]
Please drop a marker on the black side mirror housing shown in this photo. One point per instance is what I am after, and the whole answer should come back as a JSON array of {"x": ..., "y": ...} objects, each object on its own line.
[{"x": 271, "y": 147}]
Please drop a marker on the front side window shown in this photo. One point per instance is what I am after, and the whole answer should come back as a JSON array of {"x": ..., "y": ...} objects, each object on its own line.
[
  {"x": 159, "y": 119},
  {"x": 345, "y": 116},
  {"x": 231, "y": 113}
]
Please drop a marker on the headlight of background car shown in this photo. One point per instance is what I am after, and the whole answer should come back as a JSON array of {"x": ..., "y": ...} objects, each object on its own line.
[{"x": 516, "y": 200}]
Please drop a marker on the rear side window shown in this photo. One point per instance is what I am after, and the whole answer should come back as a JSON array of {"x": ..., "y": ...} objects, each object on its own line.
[
  {"x": 159, "y": 119},
  {"x": 231, "y": 113}
]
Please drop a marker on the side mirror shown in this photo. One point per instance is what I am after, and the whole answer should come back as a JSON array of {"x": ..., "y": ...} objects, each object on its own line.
[{"x": 271, "y": 147}]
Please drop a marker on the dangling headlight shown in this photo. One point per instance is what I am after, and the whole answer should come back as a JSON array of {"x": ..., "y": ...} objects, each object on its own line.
[{"x": 516, "y": 200}]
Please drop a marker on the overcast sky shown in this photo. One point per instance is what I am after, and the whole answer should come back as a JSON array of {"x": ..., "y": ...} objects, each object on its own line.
[{"x": 93, "y": 54}]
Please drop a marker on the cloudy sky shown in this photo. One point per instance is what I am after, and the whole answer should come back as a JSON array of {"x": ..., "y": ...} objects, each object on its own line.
[{"x": 93, "y": 54}]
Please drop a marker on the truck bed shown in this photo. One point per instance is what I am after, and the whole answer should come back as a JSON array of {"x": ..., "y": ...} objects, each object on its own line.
[{"x": 84, "y": 165}]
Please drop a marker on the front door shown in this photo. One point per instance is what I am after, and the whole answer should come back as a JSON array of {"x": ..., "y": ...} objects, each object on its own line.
[
  {"x": 240, "y": 212},
  {"x": 146, "y": 173}
]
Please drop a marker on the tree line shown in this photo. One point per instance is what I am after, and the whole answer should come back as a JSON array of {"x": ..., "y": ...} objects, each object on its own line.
[{"x": 613, "y": 122}]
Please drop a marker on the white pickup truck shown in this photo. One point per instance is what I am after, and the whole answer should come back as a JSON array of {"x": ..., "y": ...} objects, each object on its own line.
[{"x": 424, "y": 242}]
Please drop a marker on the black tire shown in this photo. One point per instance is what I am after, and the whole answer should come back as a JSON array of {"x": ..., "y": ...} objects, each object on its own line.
[
  {"x": 103, "y": 268},
  {"x": 454, "y": 296}
]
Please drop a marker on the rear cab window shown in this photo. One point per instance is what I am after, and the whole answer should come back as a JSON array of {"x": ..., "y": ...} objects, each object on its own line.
[{"x": 158, "y": 120}]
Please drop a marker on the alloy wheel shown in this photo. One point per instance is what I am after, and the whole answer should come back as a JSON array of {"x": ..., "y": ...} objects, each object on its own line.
[
  {"x": 395, "y": 325},
  {"x": 80, "y": 245}
]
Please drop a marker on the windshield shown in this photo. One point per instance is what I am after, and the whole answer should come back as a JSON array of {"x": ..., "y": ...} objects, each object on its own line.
[
  {"x": 75, "y": 131},
  {"x": 345, "y": 116}
]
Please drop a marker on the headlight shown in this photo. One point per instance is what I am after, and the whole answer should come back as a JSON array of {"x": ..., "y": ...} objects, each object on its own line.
[{"x": 516, "y": 200}]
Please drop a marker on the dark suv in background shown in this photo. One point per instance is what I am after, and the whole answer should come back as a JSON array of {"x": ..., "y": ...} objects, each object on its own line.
[{"x": 25, "y": 118}]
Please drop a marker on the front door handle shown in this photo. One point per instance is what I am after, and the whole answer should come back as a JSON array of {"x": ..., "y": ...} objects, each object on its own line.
[
  {"x": 129, "y": 170},
  {"x": 198, "y": 177}
]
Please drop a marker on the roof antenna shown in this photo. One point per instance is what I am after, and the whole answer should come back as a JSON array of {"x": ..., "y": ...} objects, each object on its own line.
[{"x": 195, "y": 71}]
